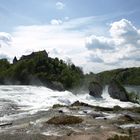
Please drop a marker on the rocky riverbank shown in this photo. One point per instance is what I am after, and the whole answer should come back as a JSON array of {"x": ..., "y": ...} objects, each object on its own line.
[{"x": 78, "y": 121}]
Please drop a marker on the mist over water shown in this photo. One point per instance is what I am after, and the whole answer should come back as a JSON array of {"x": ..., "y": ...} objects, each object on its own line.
[{"x": 31, "y": 99}]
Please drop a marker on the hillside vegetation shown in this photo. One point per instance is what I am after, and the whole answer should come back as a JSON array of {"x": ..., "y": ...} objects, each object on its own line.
[
  {"x": 38, "y": 68},
  {"x": 127, "y": 76}
]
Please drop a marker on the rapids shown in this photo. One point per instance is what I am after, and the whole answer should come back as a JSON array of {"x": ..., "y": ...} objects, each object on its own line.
[{"x": 18, "y": 101}]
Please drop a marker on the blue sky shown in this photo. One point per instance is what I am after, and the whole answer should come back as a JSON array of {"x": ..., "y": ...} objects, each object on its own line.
[
  {"x": 27, "y": 12},
  {"x": 94, "y": 30}
]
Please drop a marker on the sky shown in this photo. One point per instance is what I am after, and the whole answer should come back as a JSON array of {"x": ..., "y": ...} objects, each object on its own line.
[{"x": 96, "y": 35}]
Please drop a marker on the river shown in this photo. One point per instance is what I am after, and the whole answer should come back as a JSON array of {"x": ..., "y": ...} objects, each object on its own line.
[{"x": 20, "y": 101}]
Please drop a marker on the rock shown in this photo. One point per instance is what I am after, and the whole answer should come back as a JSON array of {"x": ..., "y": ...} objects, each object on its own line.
[
  {"x": 117, "y": 91},
  {"x": 60, "y": 111},
  {"x": 98, "y": 108},
  {"x": 95, "y": 89},
  {"x": 54, "y": 85},
  {"x": 134, "y": 109},
  {"x": 65, "y": 120},
  {"x": 117, "y": 108},
  {"x": 57, "y": 86},
  {"x": 5, "y": 124},
  {"x": 70, "y": 133},
  {"x": 128, "y": 118},
  {"x": 85, "y": 111},
  {"x": 58, "y": 106},
  {"x": 77, "y": 103},
  {"x": 96, "y": 115}
]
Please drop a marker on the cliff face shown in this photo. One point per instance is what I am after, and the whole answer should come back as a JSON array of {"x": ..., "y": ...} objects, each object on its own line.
[{"x": 117, "y": 91}]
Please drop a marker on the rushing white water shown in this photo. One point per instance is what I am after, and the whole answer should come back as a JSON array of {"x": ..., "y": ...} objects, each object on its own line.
[{"x": 32, "y": 99}]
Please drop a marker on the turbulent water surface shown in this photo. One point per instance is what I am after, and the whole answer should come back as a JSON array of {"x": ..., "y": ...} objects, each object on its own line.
[{"x": 19, "y": 101}]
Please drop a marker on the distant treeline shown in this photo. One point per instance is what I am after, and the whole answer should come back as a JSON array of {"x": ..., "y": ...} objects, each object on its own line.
[{"x": 127, "y": 76}]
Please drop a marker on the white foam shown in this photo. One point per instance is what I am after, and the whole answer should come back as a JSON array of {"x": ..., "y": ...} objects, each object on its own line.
[
  {"x": 130, "y": 126},
  {"x": 33, "y": 98},
  {"x": 106, "y": 101}
]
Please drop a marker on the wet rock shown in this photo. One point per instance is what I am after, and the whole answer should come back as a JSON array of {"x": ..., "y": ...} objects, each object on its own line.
[
  {"x": 57, "y": 86},
  {"x": 70, "y": 133},
  {"x": 134, "y": 109},
  {"x": 65, "y": 120},
  {"x": 127, "y": 118},
  {"x": 58, "y": 106},
  {"x": 5, "y": 124},
  {"x": 85, "y": 112},
  {"x": 95, "y": 115},
  {"x": 98, "y": 108},
  {"x": 117, "y": 108},
  {"x": 117, "y": 91},
  {"x": 77, "y": 103},
  {"x": 60, "y": 111},
  {"x": 95, "y": 89}
]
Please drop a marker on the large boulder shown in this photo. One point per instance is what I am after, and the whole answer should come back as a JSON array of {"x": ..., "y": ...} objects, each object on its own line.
[
  {"x": 117, "y": 91},
  {"x": 95, "y": 89}
]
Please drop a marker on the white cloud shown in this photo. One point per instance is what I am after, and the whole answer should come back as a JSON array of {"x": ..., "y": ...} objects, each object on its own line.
[
  {"x": 69, "y": 40},
  {"x": 124, "y": 32},
  {"x": 95, "y": 42},
  {"x": 5, "y": 44},
  {"x": 59, "y": 41},
  {"x": 56, "y": 22},
  {"x": 121, "y": 47},
  {"x": 60, "y": 5},
  {"x": 123, "y": 28},
  {"x": 5, "y": 38}
]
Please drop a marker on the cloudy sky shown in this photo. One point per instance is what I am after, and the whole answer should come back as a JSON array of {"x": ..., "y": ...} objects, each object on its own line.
[{"x": 97, "y": 35}]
